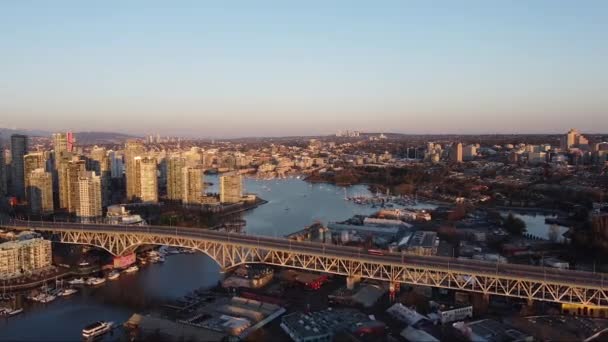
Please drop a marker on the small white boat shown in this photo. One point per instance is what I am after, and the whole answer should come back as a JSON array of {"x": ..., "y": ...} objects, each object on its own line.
[
  {"x": 132, "y": 269},
  {"x": 46, "y": 298},
  {"x": 173, "y": 251},
  {"x": 14, "y": 312},
  {"x": 38, "y": 297},
  {"x": 67, "y": 292},
  {"x": 77, "y": 281},
  {"x": 93, "y": 281},
  {"x": 113, "y": 275},
  {"x": 96, "y": 329}
]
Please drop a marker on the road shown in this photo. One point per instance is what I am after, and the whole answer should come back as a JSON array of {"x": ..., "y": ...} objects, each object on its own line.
[{"x": 466, "y": 267}]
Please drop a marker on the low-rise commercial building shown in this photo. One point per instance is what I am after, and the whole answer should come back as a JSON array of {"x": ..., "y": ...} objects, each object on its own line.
[
  {"x": 402, "y": 313},
  {"x": 451, "y": 314},
  {"x": 387, "y": 232},
  {"x": 423, "y": 243},
  {"x": 321, "y": 326}
]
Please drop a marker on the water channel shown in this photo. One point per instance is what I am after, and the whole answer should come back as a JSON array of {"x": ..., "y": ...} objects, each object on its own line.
[{"x": 292, "y": 205}]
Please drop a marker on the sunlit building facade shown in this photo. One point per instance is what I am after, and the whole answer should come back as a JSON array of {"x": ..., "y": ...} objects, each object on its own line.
[
  {"x": 193, "y": 184},
  {"x": 40, "y": 192},
  {"x": 175, "y": 177},
  {"x": 146, "y": 189},
  {"x": 18, "y": 258},
  {"x": 231, "y": 188},
  {"x": 31, "y": 162},
  {"x": 88, "y": 195},
  {"x": 133, "y": 149}
]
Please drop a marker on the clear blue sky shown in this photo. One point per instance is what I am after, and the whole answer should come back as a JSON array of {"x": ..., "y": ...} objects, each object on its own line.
[{"x": 253, "y": 68}]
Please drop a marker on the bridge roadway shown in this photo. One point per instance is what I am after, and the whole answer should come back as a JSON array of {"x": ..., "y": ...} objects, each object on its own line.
[{"x": 471, "y": 267}]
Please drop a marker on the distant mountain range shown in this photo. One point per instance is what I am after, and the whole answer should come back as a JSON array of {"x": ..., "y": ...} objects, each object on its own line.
[
  {"x": 89, "y": 138},
  {"x": 7, "y": 132},
  {"x": 84, "y": 138}
]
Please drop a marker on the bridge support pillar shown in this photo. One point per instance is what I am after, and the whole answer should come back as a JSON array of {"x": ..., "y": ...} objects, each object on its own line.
[
  {"x": 393, "y": 288},
  {"x": 480, "y": 302},
  {"x": 222, "y": 274},
  {"x": 352, "y": 281}
]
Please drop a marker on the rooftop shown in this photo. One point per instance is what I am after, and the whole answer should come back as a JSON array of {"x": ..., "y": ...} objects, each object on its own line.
[
  {"x": 323, "y": 322},
  {"x": 423, "y": 238}
]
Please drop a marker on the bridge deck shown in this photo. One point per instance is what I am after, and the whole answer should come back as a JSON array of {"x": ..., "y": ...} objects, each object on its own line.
[{"x": 230, "y": 249}]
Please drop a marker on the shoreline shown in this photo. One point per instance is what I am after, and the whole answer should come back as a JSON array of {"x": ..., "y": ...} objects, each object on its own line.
[
  {"x": 61, "y": 275},
  {"x": 252, "y": 206},
  {"x": 531, "y": 210}
]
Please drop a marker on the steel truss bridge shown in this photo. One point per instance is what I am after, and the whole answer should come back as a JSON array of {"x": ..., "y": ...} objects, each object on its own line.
[{"x": 233, "y": 249}]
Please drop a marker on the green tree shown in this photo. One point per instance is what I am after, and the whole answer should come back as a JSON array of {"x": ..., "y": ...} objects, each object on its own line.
[{"x": 514, "y": 225}]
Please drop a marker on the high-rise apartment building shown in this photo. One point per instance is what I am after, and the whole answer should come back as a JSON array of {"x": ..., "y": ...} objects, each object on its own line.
[
  {"x": 573, "y": 139},
  {"x": 100, "y": 163},
  {"x": 456, "y": 153},
  {"x": 60, "y": 181},
  {"x": 3, "y": 188},
  {"x": 87, "y": 199},
  {"x": 74, "y": 169},
  {"x": 175, "y": 177},
  {"x": 99, "y": 160},
  {"x": 32, "y": 161},
  {"x": 469, "y": 152},
  {"x": 40, "y": 191},
  {"x": 208, "y": 158},
  {"x": 231, "y": 188},
  {"x": 194, "y": 156},
  {"x": 193, "y": 184},
  {"x": 116, "y": 164},
  {"x": 63, "y": 142},
  {"x": 133, "y": 149},
  {"x": 146, "y": 183},
  {"x": 63, "y": 148},
  {"x": 68, "y": 176},
  {"x": 19, "y": 147}
]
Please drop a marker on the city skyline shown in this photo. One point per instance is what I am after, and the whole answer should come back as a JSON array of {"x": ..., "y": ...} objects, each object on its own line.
[
  {"x": 286, "y": 70},
  {"x": 315, "y": 171}
]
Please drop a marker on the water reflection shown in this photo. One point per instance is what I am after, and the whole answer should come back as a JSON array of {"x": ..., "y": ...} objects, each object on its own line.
[
  {"x": 536, "y": 226},
  {"x": 63, "y": 319},
  {"x": 294, "y": 204}
]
